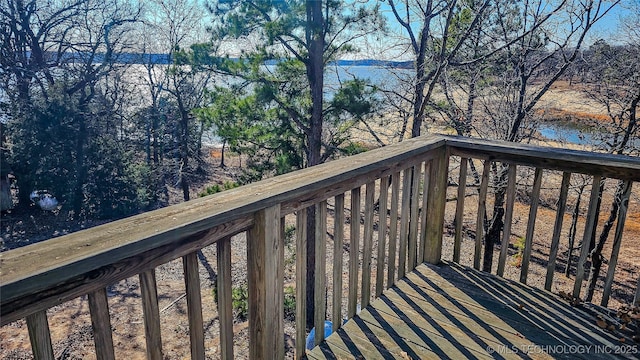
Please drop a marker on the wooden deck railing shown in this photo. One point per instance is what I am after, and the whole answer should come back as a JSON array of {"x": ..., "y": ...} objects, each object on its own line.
[
  {"x": 596, "y": 166},
  {"x": 405, "y": 182}
]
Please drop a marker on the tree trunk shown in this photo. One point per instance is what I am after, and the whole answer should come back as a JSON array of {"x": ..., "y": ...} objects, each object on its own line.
[
  {"x": 418, "y": 113},
  {"x": 222, "y": 164},
  {"x": 315, "y": 72},
  {"x": 596, "y": 253},
  {"x": 78, "y": 195},
  {"x": 5, "y": 193},
  {"x": 492, "y": 236},
  {"x": 573, "y": 230},
  {"x": 184, "y": 149}
]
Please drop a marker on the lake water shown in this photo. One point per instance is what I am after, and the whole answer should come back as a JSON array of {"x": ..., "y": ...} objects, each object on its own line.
[
  {"x": 393, "y": 78},
  {"x": 580, "y": 137},
  {"x": 566, "y": 134}
]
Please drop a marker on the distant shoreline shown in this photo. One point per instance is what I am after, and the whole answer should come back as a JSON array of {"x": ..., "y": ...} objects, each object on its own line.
[{"x": 165, "y": 59}]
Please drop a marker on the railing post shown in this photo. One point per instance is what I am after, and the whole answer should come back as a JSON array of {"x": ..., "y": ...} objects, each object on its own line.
[
  {"x": 482, "y": 209},
  {"x": 265, "y": 261},
  {"x": 462, "y": 187},
  {"x": 151, "y": 313},
  {"x": 225, "y": 298},
  {"x": 101, "y": 323},
  {"x": 40, "y": 336},
  {"x": 590, "y": 228},
  {"x": 617, "y": 242},
  {"x": 508, "y": 218},
  {"x": 301, "y": 285},
  {"x": 436, "y": 206},
  {"x": 636, "y": 299},
  {"x": 531, "y": 225}
]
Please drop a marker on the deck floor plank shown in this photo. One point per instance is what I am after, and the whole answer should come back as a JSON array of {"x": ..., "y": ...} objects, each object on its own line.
[{"x": 455, "y": 312}]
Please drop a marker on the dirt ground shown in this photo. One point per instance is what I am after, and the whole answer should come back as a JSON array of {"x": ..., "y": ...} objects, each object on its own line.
[{"x": 71, "y": 326}]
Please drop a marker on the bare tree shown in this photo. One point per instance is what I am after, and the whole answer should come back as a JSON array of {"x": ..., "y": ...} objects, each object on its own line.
[
  {"x": 436, "y": 32},
  {"x": 616, "y": 86},
  {"x": 57, "y": 49},
  {"x": 548, "y": 39}
]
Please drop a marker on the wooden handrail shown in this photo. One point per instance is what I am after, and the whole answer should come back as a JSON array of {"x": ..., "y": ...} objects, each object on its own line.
[
  {"x": 74, "y": 264},
  {"x": 575, "y": 161},
  {"x": 597, "y": 165}
]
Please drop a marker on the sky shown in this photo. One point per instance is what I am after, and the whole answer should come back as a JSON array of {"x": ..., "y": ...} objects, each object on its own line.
[{"x": 604, "y": 29}]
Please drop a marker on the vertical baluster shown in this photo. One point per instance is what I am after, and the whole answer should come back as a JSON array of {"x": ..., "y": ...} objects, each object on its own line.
[
  {"x": 557, "y": 229},
  {"x": 320, "y": 270},
  {"x": 151, "y": 313},
  {"x": 194, "y": 304},
  {"x": 338, "y": 241},
  {"x": 405, "y": 218},
  {"x": 301, "y": 282},
  {"x": 225, "y": 312},
  {"x": 393, "y": 229},
  {"x": 425, "y": 211},
  {"x": 354, "y": 252},
  {"x": 508, "y": 217},
  {"x": 482, "y": 203},
  {"x": 367, "y": 243},
  {"x": 413, "y": 222},
  {"x": 636, "y": 298},
  {"x": 617, "y": 242},
  {"x": 101, "y": 323},
  {"x": 531, "y": 225},
  {"x": 40, "y": 336},
  {"x": 462, "y": 186},
  {"x": 590, "y": 228},
  {"x": 439, "y": 172},
  {"x": 382, "y": 234},
  {"x": 266, "y": 289}
]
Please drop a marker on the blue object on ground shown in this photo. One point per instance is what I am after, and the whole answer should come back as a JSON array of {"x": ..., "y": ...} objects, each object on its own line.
[{"x": 328, "y": 329}]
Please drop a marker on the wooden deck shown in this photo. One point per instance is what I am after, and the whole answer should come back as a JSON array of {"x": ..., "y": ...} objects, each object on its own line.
[{"x": 455, "y": 312}]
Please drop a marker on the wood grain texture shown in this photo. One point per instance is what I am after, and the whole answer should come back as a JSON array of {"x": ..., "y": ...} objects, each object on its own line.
[
  {"x": 194, "y": 305},
  {"x": 382, "y": 234},
  {"x": 338, "y": 243},
  {"x": 459, "y": 217},
  {"x": 508, "y": 217},
  {"x": 574, "y": 161},
  {"x": 151, "y": 313},
  {"x": 301, "y": 282},
  {"x": 321, "y": 271},
  {"x": 416, "y": 175},
  {"x": 405, "y": 218},
  {"x": 112, "y": 273},
  {"x": 266, "y": 289},
  {"x": 454, "y": 312},
  {"x": 393, "y": 229},
  {"x": 425, "y": 211},
  {"x": 636, "y": 298},
  {"x": 367, "y": 243},
  {"x": 74, "y": 255},
  {"x": 72, "y": 259},
  {"x": 39, "y": 336},
  {"x": 436, "y": 206},
  {"x": 617, "y": 242},
  {"x": 590, "y": 228},
  {"x": 557, "y": 229},
  {"x": 531, "y": 225},
  {"x": 354, "y": 252},
  {"x": 482, "y": 208},
  {"x": 101, "y": 324},
  {"x": 225, "y": 300}
]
